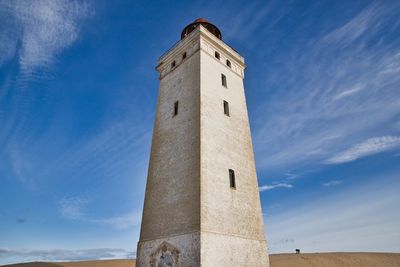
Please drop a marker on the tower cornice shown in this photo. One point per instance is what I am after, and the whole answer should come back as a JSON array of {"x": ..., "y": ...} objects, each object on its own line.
[
  {"x": 222, "y": 46},
  {"x": 199, "y": 38}
]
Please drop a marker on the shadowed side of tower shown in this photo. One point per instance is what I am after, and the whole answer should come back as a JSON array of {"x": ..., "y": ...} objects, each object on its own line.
[{"x": 202, "y": 205}]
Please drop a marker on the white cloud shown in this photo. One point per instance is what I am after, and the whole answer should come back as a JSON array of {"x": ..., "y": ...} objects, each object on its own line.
[
  {"x": 37, "y": 31},
  {"x": 347, "y": 93},
  {"x": 72, "y": 207},
  {"x": 366, "y": 148},
  {"x": 290, "y": 175},
  {"x": 9, "y": 256},
  {"x": 362, "y": 218},
  {"x": 357, "y": 26},
  {"x": 251, "y": 18},
  {"x": 120, "y": 222},
  {"x": 274, "y": 186},
  {"x": 332, "y": 183},
  {"x": 329, "y": 97}
]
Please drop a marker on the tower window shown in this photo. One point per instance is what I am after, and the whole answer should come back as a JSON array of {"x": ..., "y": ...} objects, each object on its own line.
[
  {"x": 232, "y": 181},
  {"x": 226, "y": 108},
  {"x": 228, "y": 63},
  {"x": 173, "y": 64},
  {"x": 176, "y": 105},
  {"x": 223, "y": 80},
  {"x": 184, "y": 55},
  {"x": 216, "y": 54}
]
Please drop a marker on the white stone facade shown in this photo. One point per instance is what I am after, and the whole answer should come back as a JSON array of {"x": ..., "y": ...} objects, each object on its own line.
[{"x": 192, "y": 216}]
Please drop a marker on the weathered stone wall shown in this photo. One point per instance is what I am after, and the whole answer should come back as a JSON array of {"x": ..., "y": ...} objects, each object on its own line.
[
  {"x": 226, "y": 144},
  {"x": 231, "y": 219},
  {"x": 227, "y": 250},
  {"x": 172, "y": 198}
]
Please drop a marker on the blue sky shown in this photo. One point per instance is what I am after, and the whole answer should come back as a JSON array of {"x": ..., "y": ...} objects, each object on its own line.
[{"x": 78, "y": 91}]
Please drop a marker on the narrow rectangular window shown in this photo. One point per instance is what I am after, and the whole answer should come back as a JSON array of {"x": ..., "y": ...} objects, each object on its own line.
[
  {"x": 173, "y": 64},
  {"x": 223, "y": 80},
  {"x": 232, "y": 181},
  {"x": 228, "y": 63},
  {"x": 176, "y": 105},
  {"x": 216, "y": 54},
  {"x": 226, "y": 108},
  {"x": 184, "y": 55}
]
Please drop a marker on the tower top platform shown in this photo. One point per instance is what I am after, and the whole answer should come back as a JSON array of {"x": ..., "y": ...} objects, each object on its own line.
[{"x": 201, "y": 21}]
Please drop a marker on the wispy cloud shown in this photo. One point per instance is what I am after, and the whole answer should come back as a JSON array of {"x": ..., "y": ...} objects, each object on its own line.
[
  {"x": 366, "y": 148},
  {"x": 341, "y": 222},
  {"x": 116, "y": 150},
  {"x": 347, "y": 93},
  {"x": 74, "y": 208},
  {"x": 357, "y": 27},
  {"x": 251, "y": 19},
  {"x": 274, "y": 186},
  {"x": 33, "y": 35},
  {"x": 120, "y": 222},
  {"x": 27, "y": 255},
  {"x": 291, "y": 176},
  {"x": 330, "y": 98},
  {"x": 37, "y": 31},
  {"x": 332, "y": 183}
]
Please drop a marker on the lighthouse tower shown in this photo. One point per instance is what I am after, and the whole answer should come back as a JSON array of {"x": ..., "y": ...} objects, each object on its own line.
[{"x": 202, "y": 205}]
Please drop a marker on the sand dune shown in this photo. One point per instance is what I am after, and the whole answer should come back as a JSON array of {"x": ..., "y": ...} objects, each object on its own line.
[
  {"x": 336, "y": 260},
  {"x": 278, "y": 260}
]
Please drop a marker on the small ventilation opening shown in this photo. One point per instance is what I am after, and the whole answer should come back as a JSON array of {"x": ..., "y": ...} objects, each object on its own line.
[
  {"x": 226, "y": 108},
  {"x": 223, "y": 80},
  {"x": 216, "y": 54},
  {"x": 232, "y": 181},
  {"x": 176, "y": 106},
  {"x": 228, "y": 63}
]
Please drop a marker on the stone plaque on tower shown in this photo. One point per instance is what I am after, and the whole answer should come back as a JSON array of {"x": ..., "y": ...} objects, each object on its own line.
[{"x": 202, "y": 205}]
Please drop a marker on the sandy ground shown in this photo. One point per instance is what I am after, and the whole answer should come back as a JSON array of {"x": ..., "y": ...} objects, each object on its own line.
[
  {"x": 336, "y": 260},
  {"x": 278, "y": 260}
]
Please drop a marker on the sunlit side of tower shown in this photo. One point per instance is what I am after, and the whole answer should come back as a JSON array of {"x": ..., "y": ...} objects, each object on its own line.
[{"x": 202, "y": 205}]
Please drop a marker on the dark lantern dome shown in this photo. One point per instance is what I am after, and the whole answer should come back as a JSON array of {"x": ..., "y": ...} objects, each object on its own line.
[{"x": 201, "y": 21}]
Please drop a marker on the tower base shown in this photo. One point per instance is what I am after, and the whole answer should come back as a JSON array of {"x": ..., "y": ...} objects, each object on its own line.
[
  {"x": 176, "y": 251},
  {"x": 227, "y": 250},
  {"x": 207, "y": 250}
]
